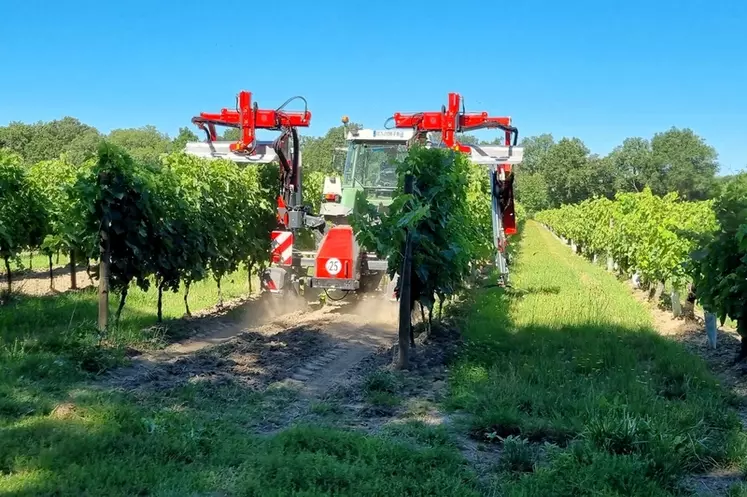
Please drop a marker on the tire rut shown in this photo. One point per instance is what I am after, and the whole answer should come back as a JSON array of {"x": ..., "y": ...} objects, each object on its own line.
[
  {"x": 333, "y": 339},
  {"x": 331, "y": 369}
]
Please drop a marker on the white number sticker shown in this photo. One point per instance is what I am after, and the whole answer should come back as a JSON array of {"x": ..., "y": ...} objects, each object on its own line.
[{"x": 333, "y": 266}]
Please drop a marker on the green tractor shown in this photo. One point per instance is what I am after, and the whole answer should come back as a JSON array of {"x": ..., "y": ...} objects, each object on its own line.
[{"x": 370, "y": 166}]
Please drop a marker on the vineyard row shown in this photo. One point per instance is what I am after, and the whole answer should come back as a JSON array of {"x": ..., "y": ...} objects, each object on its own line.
[
  {"x": 189, "y": 218},
  {"x": 664, "y": 239},
  {"x": 176, "y": 224}
]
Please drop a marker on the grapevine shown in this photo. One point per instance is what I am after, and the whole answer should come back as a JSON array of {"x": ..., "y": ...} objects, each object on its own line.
[
  {"x": 642, "y": 232},
  {"x": 720, "y": 268}
]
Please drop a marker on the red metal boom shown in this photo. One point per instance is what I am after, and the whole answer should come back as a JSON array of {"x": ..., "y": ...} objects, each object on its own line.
[
  {"x": 452, "y": 120},
  {"x": 248, "y": 118}
]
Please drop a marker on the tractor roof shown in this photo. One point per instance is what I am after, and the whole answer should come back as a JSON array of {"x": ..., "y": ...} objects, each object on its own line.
[{"x": 402, "y": 135}]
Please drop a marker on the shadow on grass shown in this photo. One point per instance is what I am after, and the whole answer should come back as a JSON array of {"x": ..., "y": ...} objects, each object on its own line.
[
  {"x": 609, "y": 408},
  {"x": 194, "y": 440},
  {"x": 49, "y": 345},
  {"x": 532, "y": 290},
  {"x": 189, "y": 431}
]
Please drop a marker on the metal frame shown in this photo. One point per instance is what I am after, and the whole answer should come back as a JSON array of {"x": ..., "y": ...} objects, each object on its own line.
[
  {"x": 453, "y": 119},
  {"x": 248, "y": 117}
]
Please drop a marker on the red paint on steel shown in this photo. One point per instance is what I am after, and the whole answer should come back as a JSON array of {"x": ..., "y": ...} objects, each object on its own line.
[
  {"x": 338, "y": 243},
  {"x": 248, "y": 117},
  {"x": 450, "y": 121},
  {"x": 281, "y": 247}
]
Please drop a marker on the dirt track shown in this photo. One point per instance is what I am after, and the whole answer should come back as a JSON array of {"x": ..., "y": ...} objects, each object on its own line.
[
  {"x": 267, "y": 342},
  {"x": 37, "y": 282}
]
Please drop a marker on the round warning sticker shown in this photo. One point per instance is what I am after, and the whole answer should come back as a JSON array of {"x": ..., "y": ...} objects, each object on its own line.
[{"x": 333, "y": 266}]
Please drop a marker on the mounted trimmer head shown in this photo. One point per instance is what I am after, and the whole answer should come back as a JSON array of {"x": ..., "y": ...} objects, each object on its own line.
[{"x": 248, "y": 117}]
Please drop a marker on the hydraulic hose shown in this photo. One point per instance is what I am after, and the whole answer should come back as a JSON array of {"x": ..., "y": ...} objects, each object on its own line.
[{"x": 288, "y": 168}]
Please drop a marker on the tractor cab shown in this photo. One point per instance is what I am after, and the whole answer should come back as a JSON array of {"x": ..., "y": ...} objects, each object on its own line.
[{"x": 370, "y": 166}]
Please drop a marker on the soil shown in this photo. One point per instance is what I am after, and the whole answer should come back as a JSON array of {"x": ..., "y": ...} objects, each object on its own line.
[
  {"x": 325, "y": 354},
  {"x": 36, "y": 283},
  {"x": 262, "y": 342}
]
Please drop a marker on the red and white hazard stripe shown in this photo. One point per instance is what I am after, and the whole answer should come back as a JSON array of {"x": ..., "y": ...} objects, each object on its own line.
[{"x": 282, "y": 247}]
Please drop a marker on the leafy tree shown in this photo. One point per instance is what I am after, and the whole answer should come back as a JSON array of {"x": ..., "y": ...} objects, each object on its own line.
[
  {"x": 121, "y": 208},
  {"x": 313, "y": 182},
  {"x": 566, "y": 171},
  {"x": 536, "y": 149},
  {"x": 467, "y": 139},
  {"x": 444, "y": 216},
  {"x": 633, "y": 165},
  {"x": 83, "y": 148},
  {"x": 498, "y": 140},
  {"x": 46, "y": 140},
  {"x": 479, "y": 205},
  {"x": 22, "y": 217},
  {"x": 685, "y": 163},
  {"x": 173, "y": 242},
  {"x": 231, "y": 134},
  {"x": 721, "y": 182},
  {"x": 16, "y": 137},
  {"x": 600, "y": 177},
  {"x": 192, "y": 224},
  {"x": 531, "y": 191},
  {"x": 63, "y": 204},
  {"x": 222, "y": 214},
  {"x": 319, "y": 152},
  {"x": 643, "y": 232},
  {"x": 144, "y": 145},
  {"x": 185, "y": 135},
  {"x": 219, "y": 193},
  {"x": 444, "y": 229},
  {"x": 261, "y": 215}
]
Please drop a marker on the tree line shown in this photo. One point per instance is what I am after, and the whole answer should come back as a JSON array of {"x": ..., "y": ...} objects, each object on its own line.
[
  {"x": 553, "y": 172},
  {"x": 566, "y": 172}
]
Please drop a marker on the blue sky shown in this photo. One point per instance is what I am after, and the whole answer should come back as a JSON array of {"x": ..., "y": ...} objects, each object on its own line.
[{"x": 601, "y": 71}]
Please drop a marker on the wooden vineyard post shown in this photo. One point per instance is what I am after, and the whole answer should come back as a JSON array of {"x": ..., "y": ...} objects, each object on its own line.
[
  {"x": 104, "y": 282},
  {"x": 104, "y": 274},
  {"x": 405, "y": 292}
]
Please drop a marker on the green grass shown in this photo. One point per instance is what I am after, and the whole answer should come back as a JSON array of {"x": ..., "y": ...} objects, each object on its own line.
[
  {"x": 50, "y": 343},
  {"x": 567, "y": 360},
  {"x": 60, "y": 436},
  {"x": 35, "y": 261},
  {"x": 563, "y": 372},
  {"x": 381, "y": 389},
  {"x": 181, "y": 444}
]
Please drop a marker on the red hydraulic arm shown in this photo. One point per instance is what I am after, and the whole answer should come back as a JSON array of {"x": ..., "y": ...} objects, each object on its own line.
[
  {"x": 248, "y": 118},
  {"x": 452, "y": 119}
]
